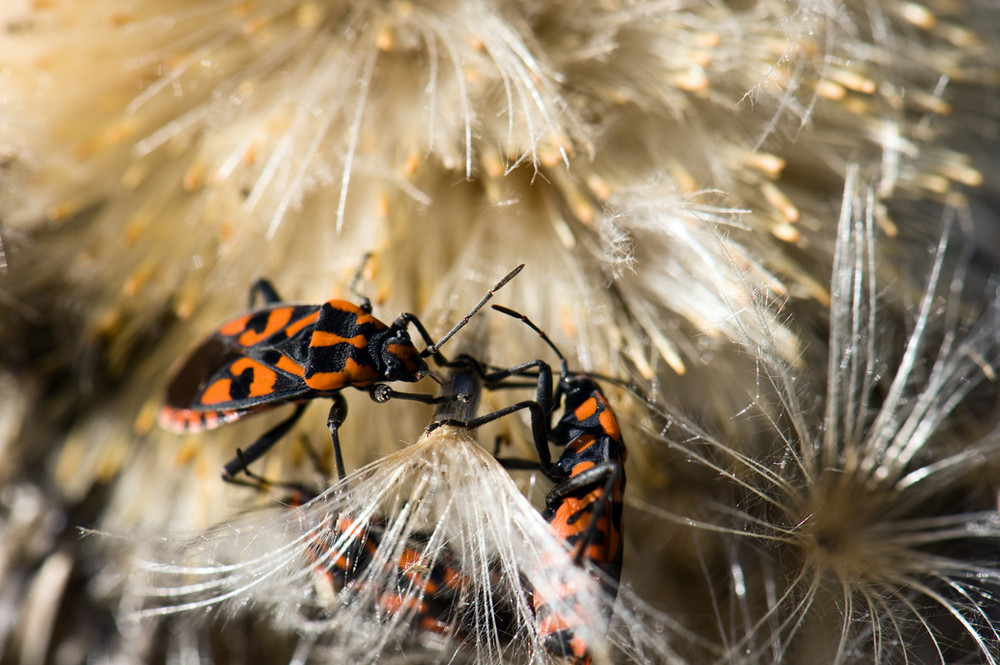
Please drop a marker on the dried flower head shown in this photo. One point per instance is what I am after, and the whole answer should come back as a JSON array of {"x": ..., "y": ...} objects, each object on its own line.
[
  {"x": 670, "y": 171},
  {"x": 863, "y": 535}
]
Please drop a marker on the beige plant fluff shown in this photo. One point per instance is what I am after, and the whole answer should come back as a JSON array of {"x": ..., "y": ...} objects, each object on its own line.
[{"x": 775, "y": 219}]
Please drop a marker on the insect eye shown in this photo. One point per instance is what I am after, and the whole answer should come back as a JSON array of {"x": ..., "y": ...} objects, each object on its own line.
[{"x": 393, "y": 367}]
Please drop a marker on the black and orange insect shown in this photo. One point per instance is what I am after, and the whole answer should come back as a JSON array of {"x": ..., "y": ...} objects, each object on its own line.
[
  {"x": 585, "y": 506},
  {"x": 425, "y": 593},
  {"x": 289, "y": 354}
]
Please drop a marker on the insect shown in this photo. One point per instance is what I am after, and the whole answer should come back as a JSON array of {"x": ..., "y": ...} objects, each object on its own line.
[
  {"x": 585, "y": 506},
  {"x": 425, "y": 593},
  {"x": 289, "y": 354},
  {"x": 355, "y": 561}
]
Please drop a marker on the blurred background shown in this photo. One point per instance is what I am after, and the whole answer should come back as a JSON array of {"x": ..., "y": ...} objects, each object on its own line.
[{"x": 777, "y": 219}]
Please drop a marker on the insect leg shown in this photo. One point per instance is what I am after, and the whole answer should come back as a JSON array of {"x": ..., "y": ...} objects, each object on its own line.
[
  {"x": 543, "y": 392},
  {"x": 300, "y": 494},
  {"x": 338, "y": 411},
  {"x": 582, "y": 481},
  {"x": 538, "y": 427},
  {"x": 405, "y": 319},
  {"x": 512, "y": 462},
  {"x": 489, "y": 373},
  {"x": 261, "y": 445},
  {"x": 543, "y": 384},
  {"x": 518, "y": 464},
  {"x": 497, "y": 442},
  {"x": 366, "y": 304},
  {"x": 266, "y": 290},
  {"x": 317, "y": 463},
  {"x": 602, "y": 505},
  {"x": 382, "y": 393},
  {"x": 259, "y": 483}
]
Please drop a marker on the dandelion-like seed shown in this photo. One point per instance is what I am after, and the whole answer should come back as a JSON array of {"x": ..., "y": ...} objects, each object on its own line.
[
  {"x": 848, "y": 546},
  {"x": 442, "y": 504}
]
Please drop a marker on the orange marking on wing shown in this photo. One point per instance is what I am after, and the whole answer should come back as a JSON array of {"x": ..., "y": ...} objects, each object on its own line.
[
  {"x": 394, "y": 602},
  {"x": 322, "y": 556},
  {"x": 609, "y": 424},
  {"x": 349, "y": 526},
  {"x": 581, "y": 443},
  {"x": 236, "y": 326},
  {"x": 607, "y": 540},
  {"x": 409, "y": 559},
  {"x": 553, "y": 624},
  {"x": 412, "y": 564},
  {"x": 422, "y": 583},
  {"x": 598, "y": 553},
  {"x": 358, "y": 341},
  {"x": 433, "y": 625},
  {"x": 354, "y": 531},
  {"x": 264, "y": 377},
  {"x": 302, "y": 323},
  {"x": 572, "y": 507},
  {"x": 453, "y": 578},
  {"x": 276, "y": 320},
  {"x": 353, "y": 374},
  {"x": 567, "y": 511},
  {"x": 580, "y": 650},
  {"x": 586, "y": 410},
  {"x": 288, "y": 365},
  {"x": 217, "y": 392},
  {"x": 325, "y": 338}
]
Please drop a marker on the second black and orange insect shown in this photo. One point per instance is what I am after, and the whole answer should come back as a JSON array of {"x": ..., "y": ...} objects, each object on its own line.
[
  {"x": 289, "y": 354},
  {"x": 585, "y": 507}
]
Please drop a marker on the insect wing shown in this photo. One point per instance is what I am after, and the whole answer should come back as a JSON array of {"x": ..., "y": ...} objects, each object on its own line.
[
  {"x": 252, "y": 362},
  {"x": 269, "y": 327}
]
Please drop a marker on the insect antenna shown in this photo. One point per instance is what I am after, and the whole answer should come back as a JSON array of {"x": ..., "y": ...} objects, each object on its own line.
[
  {"x": 433, "y": 348},
  {"x": 563, "y": 365},
  {"x": 635, "y": 390}
]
